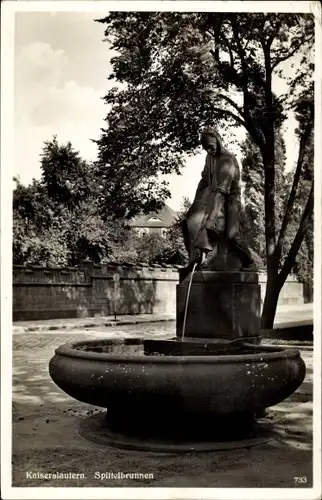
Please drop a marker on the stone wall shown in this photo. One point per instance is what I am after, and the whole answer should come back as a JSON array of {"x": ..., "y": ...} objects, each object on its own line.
[
  {"x": 291, "y": 293},
  {"x": 90, "y": 290}
]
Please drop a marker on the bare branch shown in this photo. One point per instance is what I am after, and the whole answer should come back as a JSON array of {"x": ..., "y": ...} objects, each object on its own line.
[
  {"x": 296, "y": 180},
  {"x": 290, "y": 260}
]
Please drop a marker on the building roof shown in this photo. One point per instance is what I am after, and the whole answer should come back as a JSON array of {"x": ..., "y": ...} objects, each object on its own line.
[{"x": 163, "y": 218}]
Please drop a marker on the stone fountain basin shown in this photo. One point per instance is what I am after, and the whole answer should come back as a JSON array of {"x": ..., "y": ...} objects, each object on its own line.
[{"x": 115, "y": 374}]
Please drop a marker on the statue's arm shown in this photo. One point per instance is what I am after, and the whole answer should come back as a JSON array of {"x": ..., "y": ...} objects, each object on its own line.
[
  {"x": 203, "y": 183},
  {"x": 222, "y": 177},
  {"x": 235, "y": 189}
]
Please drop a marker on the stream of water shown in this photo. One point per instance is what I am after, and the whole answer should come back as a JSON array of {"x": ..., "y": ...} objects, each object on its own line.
[{"x": 187, "y": 302}]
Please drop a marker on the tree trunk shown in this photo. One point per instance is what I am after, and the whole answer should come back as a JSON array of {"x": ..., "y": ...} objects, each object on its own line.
[
  {"x": 270, "y": 302},
  {"x": 272, "y": 287},
  {"x": 275, "y": 279}
]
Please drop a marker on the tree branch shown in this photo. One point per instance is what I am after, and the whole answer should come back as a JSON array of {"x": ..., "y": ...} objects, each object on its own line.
[
  {"x": 217, "y": 30},
  {"x": 239, "y": 120},
  {"x": 246, "y": 122},
  {"x": 292, "y": 196},
  {"x": 232, "y": 103},
  {"x": 249, "y": 124},
  {"x": 306, "y": 217},
  {"x": 228, "y": 45},
  {"x": 290, "y": 54},
  {"x": 231, "y": 55},
  {"x": 240, "y": 50},
  {"x": 210, "y": 34}
]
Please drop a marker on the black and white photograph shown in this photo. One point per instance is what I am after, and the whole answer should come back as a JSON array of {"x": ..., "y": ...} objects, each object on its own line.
[{"x": 161, "y": 249}]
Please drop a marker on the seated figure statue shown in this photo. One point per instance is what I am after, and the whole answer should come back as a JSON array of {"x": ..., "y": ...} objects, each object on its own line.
[{"x": 211, "y": 225}]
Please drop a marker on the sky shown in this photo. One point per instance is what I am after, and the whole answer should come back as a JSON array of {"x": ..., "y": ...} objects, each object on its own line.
[{"x": 61, "y": 71}]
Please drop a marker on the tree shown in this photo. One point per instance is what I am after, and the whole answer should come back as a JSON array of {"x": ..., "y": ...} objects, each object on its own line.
[
  {"x": 36, "y": 236},
  {"x": 57, "y": 220},
  {"x": 179, "y": 253},
  {"x": 67, "y": 177},
  {"x": 32, "y": 246},
  {"x": 181, "y": 71}
]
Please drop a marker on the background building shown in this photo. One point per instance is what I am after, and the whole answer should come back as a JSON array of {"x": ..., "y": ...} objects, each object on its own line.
[{"x": 154, "y": 222}]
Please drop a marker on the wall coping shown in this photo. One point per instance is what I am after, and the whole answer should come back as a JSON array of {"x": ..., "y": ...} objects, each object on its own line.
[{"x": 88, "y": 266}]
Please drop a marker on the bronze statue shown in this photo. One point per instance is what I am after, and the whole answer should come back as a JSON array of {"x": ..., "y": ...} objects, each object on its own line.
[{"x": 212, "y": 222}]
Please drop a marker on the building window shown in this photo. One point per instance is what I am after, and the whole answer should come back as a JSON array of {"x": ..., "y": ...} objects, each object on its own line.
[
  {"x": 154, "y": 219},
  {"x": 164, "y": 232},
  {"x": 144, "y": 231}
]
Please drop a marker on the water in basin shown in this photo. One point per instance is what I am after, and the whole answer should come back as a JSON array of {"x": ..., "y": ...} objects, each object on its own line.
[{"x": 170, "y": 347}]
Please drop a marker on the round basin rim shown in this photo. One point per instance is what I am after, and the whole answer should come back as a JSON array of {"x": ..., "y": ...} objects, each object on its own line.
[{"x": 274, "y": 353}]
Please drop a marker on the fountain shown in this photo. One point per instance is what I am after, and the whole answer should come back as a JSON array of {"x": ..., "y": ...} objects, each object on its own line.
[{"x": 209, "y": 383}]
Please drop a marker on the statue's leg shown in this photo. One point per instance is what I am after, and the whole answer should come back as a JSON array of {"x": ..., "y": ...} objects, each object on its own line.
[
  {"x": 235, "y": 239},
  {"x": 188, "y": 233},
  {"x": 186, "y": 238},
  {"x": 213, "y": 223},
  {"x": 238, "y": 245},
  {"x": 191, "y": 228}
]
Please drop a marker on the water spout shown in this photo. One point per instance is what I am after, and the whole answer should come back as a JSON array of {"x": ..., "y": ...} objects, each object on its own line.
[{"x": 187, "y": 301}]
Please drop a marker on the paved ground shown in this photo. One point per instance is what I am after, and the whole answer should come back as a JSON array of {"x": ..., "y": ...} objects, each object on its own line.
[
  {"x": 96, "y": 322},
  {"x": 285, "y": 315},
  {"x": 45, "y": 438}
]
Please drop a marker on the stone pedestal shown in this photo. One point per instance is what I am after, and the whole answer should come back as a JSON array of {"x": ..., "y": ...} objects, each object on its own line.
[{"x": 222, "y": 305}]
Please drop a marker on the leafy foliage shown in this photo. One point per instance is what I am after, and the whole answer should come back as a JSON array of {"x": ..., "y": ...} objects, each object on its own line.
[
  {"x": 179, "y": 253},
  {"x": 68, "y": 179},
  {"x": 176, "y": 68},
  {"x": 153, "y": 248},
  {"x": 57, "y": 220},
  {"x": 35, "y": 247}
]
